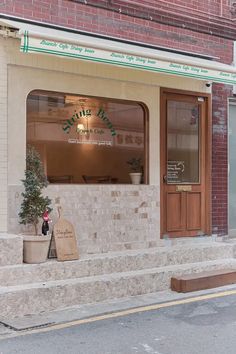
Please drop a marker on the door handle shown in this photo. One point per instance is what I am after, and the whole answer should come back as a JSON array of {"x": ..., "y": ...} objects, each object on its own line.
[{"x": 164, "y": 178}]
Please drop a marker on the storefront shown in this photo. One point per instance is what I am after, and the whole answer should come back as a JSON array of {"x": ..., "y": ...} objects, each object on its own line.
[{"x": 91, "y": 106}]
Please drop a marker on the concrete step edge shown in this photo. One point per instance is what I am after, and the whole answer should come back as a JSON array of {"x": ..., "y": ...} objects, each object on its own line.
[
  {"x": 153, "y": 250},
  {"x": 38, "y": 297},
  {"x": 175, "y": 269},
  {"x": 110, "y": 263},
  {"x": 117, "y": 255}
]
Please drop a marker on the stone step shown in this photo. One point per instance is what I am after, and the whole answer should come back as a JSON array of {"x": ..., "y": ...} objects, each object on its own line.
[
  {"x": 11, "y": 249},
  {"x": 114, "y": 262},
  {"x": 25, "y": 299}
]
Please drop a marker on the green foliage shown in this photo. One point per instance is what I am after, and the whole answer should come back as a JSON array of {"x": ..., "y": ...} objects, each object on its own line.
[
  {"x": 34, "y": 203},
  {"x": 135, "y": 164}
]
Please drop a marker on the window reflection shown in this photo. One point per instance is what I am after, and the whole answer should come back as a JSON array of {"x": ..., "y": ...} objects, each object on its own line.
[{"x": 79, "y": 136}]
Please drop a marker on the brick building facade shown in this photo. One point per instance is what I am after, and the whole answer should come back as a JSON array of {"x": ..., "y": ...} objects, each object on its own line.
[{"x": 201, "y": 29}]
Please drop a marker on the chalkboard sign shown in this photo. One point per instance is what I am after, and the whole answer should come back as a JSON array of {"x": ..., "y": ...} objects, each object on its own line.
[{"x": 65, "y": 240}]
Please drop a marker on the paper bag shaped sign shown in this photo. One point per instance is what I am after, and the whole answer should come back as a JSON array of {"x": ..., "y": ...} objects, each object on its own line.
[{"x": 65, "y": 240}]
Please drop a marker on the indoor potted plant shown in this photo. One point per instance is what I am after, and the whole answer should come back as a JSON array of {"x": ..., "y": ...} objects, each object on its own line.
[
  {"x": 33, "y": 208},
  {"x": 136, "y": 168}
]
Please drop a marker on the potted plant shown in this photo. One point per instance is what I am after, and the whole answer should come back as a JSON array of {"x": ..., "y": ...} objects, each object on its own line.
[
  {"x": 136, "y": 168},
  {"x": 33, "y": 208}
]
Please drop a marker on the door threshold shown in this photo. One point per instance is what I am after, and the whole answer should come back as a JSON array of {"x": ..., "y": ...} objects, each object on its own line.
[{"x": 191, "y": 239}]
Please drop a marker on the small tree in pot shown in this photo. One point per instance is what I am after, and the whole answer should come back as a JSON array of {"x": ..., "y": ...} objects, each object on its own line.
[
  {"x": 136, "y": 168},
  {"x": 34, "y": 203}
]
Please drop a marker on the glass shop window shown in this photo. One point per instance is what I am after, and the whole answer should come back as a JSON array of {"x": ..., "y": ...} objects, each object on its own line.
[{"x": 87, "y": 139}]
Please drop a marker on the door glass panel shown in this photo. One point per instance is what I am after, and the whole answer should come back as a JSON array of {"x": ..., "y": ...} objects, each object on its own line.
[
  {"x": 232, "y": 169},
  {"x": 182, "y": 142}
]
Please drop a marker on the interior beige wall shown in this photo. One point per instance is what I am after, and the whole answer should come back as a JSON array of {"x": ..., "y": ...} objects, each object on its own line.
[
  {"x": 76, "y": 160},
  {"x": 30, "y": 71}
]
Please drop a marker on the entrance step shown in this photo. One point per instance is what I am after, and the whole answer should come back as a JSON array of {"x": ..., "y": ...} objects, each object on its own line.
[
  {"x": 115, "y": 262},
  {"x": 11, "y": 249},
  {"x": 34, "y": 298},
  {"x": 204, "y": 280},
  {"x": 34, "y": 288}
]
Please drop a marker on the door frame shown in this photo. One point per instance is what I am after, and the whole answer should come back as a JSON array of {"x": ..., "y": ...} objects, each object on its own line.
[{"x": 208, "y": 155}]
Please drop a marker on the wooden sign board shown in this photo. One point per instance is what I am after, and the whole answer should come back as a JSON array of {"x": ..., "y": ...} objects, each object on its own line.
[{"x": 65, "y": 240}]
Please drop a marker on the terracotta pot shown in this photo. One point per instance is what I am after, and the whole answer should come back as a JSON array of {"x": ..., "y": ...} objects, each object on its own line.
[
  {"x": 135, "y": 177},
  {"x": 35, "y": 248}
]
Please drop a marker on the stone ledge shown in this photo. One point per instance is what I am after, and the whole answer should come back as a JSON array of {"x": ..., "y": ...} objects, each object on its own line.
[{"x": 11, "y": 249}]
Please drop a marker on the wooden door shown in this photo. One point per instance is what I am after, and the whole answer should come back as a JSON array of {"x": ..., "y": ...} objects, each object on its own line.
[{"x": 185, "y": 165}]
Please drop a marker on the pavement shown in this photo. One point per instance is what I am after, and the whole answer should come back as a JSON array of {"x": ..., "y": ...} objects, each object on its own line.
[{"x": 11, "y": 327}]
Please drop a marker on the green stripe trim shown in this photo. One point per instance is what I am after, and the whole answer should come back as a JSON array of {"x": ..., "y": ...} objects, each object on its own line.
[
  {"x": 107, "y": 61},
  {"x": 25, "y": 46},
  {"x": 24, "y": 42}
]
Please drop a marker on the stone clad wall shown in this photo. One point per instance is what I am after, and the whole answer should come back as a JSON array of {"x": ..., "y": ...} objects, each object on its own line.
[
  {"x": 106, "y": 217},
  {"x": 11, "y": 247}
]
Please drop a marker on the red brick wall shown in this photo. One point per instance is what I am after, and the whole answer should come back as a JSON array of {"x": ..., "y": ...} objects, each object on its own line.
[
  {"x": 93, "y": 19},
  {"x": 215, "y": 7},
  {"x": 219, "y": 157},
  {"x": 219, "y": 8}
]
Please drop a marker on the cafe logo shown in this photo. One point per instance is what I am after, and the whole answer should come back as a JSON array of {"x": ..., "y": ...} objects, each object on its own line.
[{"x": 87, "y": 113}]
